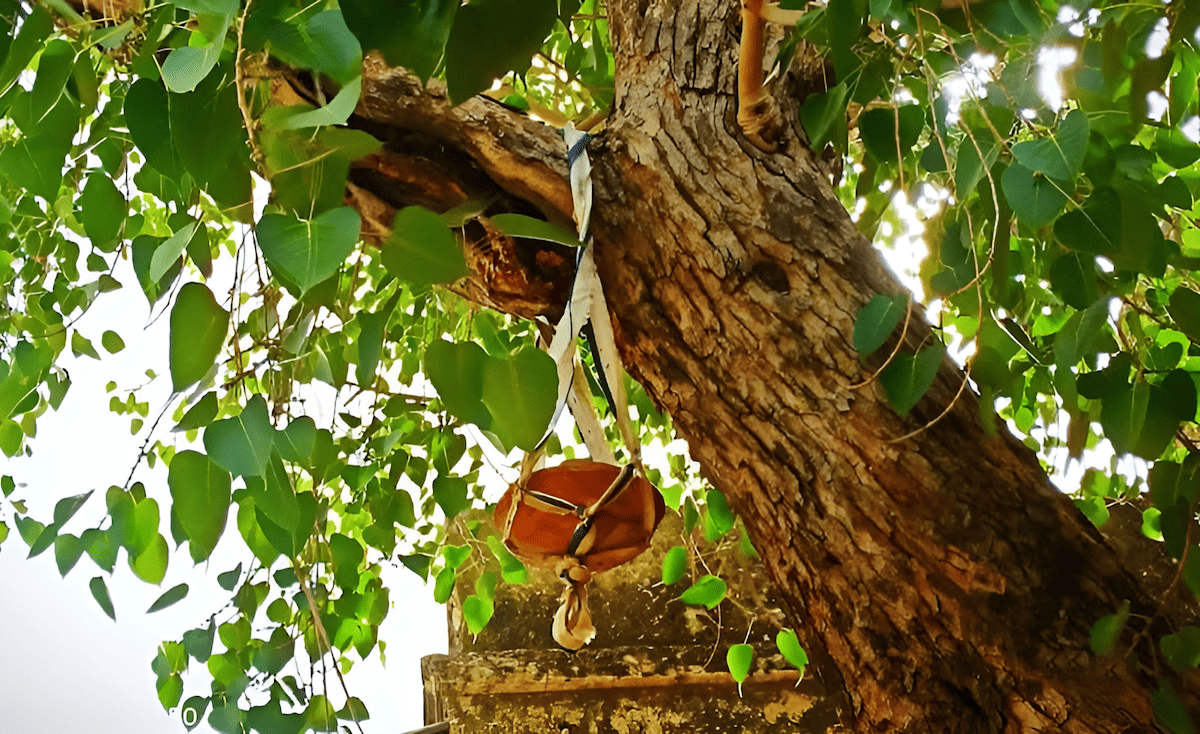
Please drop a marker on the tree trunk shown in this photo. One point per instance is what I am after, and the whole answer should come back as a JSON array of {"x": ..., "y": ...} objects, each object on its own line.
[{"x": 940, "y": 581}]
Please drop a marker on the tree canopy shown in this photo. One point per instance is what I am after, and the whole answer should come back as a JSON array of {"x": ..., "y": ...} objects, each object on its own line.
[{"x": 222, "y": 158}]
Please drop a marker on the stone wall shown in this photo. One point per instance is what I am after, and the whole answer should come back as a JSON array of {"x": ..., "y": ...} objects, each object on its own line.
[{"x": 656, "y": 666}]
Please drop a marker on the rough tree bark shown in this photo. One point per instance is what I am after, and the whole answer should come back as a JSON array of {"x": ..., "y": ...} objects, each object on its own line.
[{"x": 941, "y": 581}]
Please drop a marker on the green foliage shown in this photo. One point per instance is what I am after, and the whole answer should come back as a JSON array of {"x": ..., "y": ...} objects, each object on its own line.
[
  {"x": 422, "y": 250},
  {"x": 200, "y": 493},
  {"x": 474, "y": 60},
  {"x": 1107, "y": 630},
  {"x": 876, "y": 321},
  {"x": 739, "y": 658},
  {"x": 789, "y": 647},
  {"x": 100, "y": 594},
  {"x": 708, "y": 591},
  {"x": 303, "y": 253},
  {"x": 673, "y": 565},
  {"x": 519, "y": 225},
  {"x": 169, "y": 597},
  {"x": 908, "y": 377},
  {"x": 198, "y": 329}
]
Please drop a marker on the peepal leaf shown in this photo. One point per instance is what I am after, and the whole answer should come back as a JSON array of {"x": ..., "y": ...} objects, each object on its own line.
[
  {"x": 876, "y": 322},
  {"x": 456, "y": 371},
  {"x": 410, "y": 34},
  {"x": 707, "y": 591},
  {"x": 187, "y": 66},
  {"x": 888, "y": 133},
  {"x": 307, "y": 252},
  {"x": 168, "y": 597},
  {"x": 824, "y": 118},
  {"x": 1184, "y": 307},
  {"x": 1182, "y": 649},
  {"x": 200, "y": 495},
  {"x": 200, "y": 414},
  {"x": 1170, "y": 711},
  {"x": 1061, "y": 156},
  {"x": 198, "y": 328},
  {"x": 168, "y": 252},
  {"x": 1035, "y": 198},
  {"x": 297, "y": 442},
  {"x": 474, "y": 57},
  {"x": 673, "y": 565},
  {"x": 908, "y": 377},
  {"x": 66, "y": 508},
  {"x": 242, "y": 444},
  {"x": 323, "y": 43},
  {"x": 443, "y": 585},
  {"x": 67, "y": 550},
  {"x": 102, "y": 210},
  {"x": 335, "y": 113},
  {"x": 450, "y": 493},
  {"x": 147, "y": 116},
  {"x": 739, "y": 659},
  {"x": 519, "y": 225},
  {"x": 970, "y": 168},
  {"x": 789, "y": 647},
  {"x": 1106, "y": 630},
  {"x": 422, "y": 250},
  {"x": 520, "y": 392},
  {"x": 1139, "y": 419},
  {"x": 477, "y": 612},
  {"x": 100, "y": 594}
]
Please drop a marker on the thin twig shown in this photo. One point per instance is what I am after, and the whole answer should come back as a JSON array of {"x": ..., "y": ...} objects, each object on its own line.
[
  {"x": 323, "y": 639},
  {"x": 239, "y": 81},
  {"x": 142, "y": 451}
]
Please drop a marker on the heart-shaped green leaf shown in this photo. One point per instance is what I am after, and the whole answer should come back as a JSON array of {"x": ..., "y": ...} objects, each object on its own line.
[
  {"x": 242, "y": 444},
  {"x": 307, "y": 252},
  {"x": 673, "y": 565},
  {"x": 789, "y": 647},
  {"x": 450, "y": 493},
  {"x": 477, "y": 612},
  {"x": 474, "y": 58},
  {"x": 422, "y": 250},
  {"x": 443, "y": 585},
  {"x": 1106, "y": 630},
  {"x": 67, "y": 550},
  {"x": 1035, "y": 198},
  {"x": 907, "y": 378},
  {"x": 520, "y": 392},
  {"x": 456, "y": 371},
  {"x": 824, "y": 118},
  {"x": 102, "y": 210},
  {"x": 100, "y": 594},
  {"x": 1061, "y": 156},
  {"x": 168, "y": 597},
  {"x": 200, "y": 414},
  {"x": 889, "y": 134},
  {"x": 198, "y": 328},
  {"x": 876, "y": 322},
  {"x": 411, "y": 34},
  {"x": 200, "y": 495},
  {"x": 708, "y": 591},
  {"x": 970, "y": 167},
  {"x": 298, "y": 441},
  {"x": 519, "y": 225}
]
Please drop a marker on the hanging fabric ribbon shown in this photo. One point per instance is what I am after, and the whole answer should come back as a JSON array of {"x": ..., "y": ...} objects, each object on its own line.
[{"x": 584, "y": 516}]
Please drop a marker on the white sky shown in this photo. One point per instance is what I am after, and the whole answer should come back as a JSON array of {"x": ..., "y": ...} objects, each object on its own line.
[{"x": 68, "y": 667}]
